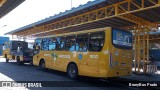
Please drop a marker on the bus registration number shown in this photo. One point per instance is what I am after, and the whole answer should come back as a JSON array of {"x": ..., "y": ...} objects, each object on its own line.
[{"x": 93, "y": 56}]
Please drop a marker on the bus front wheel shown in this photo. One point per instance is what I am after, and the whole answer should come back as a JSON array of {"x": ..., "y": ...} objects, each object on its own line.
[{"x": 72, "y": 71}]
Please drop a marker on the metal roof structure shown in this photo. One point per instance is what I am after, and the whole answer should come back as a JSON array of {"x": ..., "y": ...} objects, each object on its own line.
[
  {"x": 147, "y": 14},
  {"x": 8, "y": 5}
]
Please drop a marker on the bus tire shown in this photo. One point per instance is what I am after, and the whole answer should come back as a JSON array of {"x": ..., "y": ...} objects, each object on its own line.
[
  {"x": 7, "y": 60},
  {"x": 72, "y": 71},
  {"x": 42, "y": 65},
  {"x": 19, "y": 62}
]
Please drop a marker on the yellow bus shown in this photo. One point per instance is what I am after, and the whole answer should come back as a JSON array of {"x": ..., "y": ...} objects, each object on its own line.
[{"x": 103, "y": 52}]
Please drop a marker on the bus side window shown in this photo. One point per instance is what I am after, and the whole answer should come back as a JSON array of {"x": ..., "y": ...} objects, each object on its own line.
[
  {"x": 96, "y": 41},
  {"x": 45, "y": 44},
  {"x": 70, "y": 43},
  {"x": 82, "y": 42},
  {"x": 52, "y": 44},
  {"x": 60, "y": 43}
]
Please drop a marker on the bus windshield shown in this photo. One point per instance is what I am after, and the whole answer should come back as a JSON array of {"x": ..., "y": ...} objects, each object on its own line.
[{"x": 122, "y": 39}]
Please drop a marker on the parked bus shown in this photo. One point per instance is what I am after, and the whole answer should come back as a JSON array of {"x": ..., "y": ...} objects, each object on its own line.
[
  {"x": 103, "y": 52},
  {"x": 17, "y": 50}
]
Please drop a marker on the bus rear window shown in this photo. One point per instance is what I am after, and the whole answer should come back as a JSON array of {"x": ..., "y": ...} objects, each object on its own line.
[{"x": 122, "y": 39}]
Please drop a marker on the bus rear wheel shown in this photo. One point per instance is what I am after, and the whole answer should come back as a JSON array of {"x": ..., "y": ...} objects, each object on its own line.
[
  {"x": 42, "y": 66},
  {"x": 6, "y": 58},
  {"x": 72, "y": 71}
]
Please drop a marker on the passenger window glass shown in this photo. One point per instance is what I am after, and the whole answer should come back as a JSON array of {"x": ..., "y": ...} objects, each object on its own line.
[
  {"x": 82, "y": 42},
  {"x": 52, "y": 44},
  {"x": 45, "y": 43},
  {"x": 96, "y": 41},
  {"x": 70, "y": 43},
  {"x": 60, "y": 43}
]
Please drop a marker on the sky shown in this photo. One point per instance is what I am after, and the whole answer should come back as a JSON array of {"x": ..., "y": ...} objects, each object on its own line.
[{"x": 31, "y": 11}]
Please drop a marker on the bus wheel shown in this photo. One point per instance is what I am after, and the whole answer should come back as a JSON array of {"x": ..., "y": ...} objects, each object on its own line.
[
  {"x": 6, "y": 58},
  {"x": 42, "y": 66},
  {"x": 72, "y": 71}
]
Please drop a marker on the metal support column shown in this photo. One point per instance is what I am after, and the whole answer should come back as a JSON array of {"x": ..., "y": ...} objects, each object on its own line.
[
  {"x": 144, "y": 38},
  {"x": 135, "y": 51},
  {"x": 147, "y": 56},
  {"x": 141, "y": 37},
  {"x": 139, "y": 48}
]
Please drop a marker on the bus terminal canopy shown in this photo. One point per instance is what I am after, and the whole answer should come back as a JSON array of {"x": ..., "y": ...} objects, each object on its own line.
[
  {"x": 126, "y": 14},
  {"x": 141, "y": 17},
  {"x": 8, "y": 5}
]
